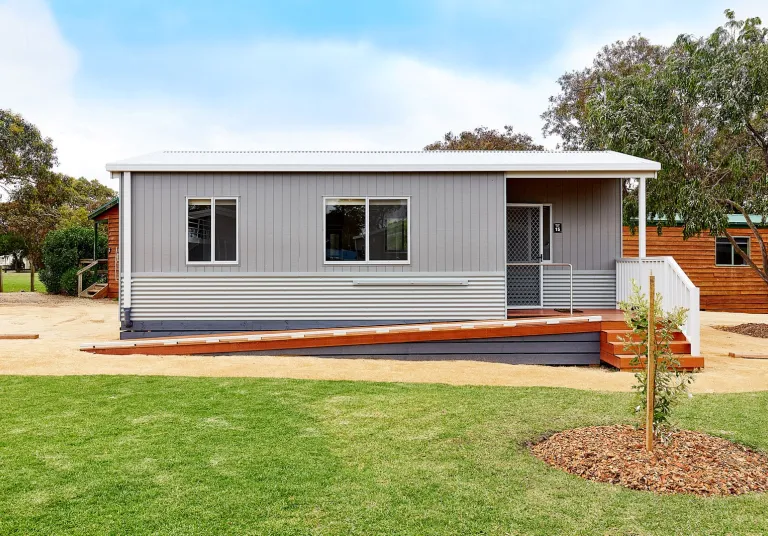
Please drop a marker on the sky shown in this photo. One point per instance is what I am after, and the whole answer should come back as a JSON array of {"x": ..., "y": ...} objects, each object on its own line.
[{"x": 109, "y": 80}]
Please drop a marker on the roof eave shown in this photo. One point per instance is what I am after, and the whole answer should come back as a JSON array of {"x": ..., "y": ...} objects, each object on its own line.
[{"x": 648, "y": 170}]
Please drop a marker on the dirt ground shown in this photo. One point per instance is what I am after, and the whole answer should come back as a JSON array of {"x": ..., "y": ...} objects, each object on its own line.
[{"x": 65, "y": 323}]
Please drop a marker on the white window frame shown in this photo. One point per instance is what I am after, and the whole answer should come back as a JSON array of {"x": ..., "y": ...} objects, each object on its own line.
[
  {"x": 213, "y": 261},
  {"x": 367, "y": 199},
  {"x": 734, "y": 254}
]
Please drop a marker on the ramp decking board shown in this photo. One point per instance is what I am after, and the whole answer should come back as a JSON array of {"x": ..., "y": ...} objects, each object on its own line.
[{"x": 546, "y": 339}]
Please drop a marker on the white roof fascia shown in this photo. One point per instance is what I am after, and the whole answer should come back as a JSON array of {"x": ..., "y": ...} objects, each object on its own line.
[
  {"x": 512, "y": 163},
  {"x": 581, "y": 174}
]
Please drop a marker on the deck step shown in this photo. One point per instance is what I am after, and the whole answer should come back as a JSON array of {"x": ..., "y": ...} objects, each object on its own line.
[
  {"x": 95, "y": 291},
  {"x": 624, "y": 361},
  {"x": 614, "y": 350},
  {"x": 676, "y": 347},
  {"x": 615, "y": 325},
  {"x": 618, "y": 335}
]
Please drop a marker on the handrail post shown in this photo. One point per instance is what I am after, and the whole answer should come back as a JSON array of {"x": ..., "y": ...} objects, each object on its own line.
[{"x": 570, "y": 269}]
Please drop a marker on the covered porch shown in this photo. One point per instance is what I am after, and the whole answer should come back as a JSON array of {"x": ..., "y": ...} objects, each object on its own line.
[{"x": 564, "y": 250}]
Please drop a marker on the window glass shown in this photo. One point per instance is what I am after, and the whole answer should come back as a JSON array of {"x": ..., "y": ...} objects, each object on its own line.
[
  {"x": 345, "y": 230},
  {"x": 743, "y": 242},
  {"x": 547, "y": 233},
  {"x": 226, "y": 229},
  {"x": 199, "y": 230},
  {"x": 725, "y": 254},
  {"x": 388, "y": 225}
]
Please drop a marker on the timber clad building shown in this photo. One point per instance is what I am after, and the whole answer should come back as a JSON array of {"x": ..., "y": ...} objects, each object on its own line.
[
  {"x": 725, "y": 281},
  {"x": 216, "y": 242}
]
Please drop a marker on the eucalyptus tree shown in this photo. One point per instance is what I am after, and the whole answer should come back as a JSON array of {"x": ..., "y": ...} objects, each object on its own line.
[
  {"x": 24, "y": 153},
  {"x": 702, "y": 113},
  {"x": 566, "y": 115}
]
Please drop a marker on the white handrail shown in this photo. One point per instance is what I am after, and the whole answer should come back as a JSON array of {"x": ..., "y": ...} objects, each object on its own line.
[{"x": 675, "y": 286}]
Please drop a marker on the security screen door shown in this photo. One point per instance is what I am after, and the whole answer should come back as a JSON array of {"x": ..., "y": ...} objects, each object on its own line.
[{"x": 524, "y": 245}]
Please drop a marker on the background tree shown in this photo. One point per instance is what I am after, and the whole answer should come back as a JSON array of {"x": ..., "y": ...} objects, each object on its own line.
[
  {"x": 52, "y": 201},
  {"x": 13, "y": 245},
  {"x": 566, "y": 115},
  {"x": 485, "y": 139},
  {"x": 24, "y": 154},
  {"x": 83, "y": 197},
  {"x": 702, "y": 113}
]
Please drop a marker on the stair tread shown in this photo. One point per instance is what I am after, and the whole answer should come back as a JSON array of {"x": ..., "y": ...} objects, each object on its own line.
[
  {"x": 623, "y": 361},
  {"x": 624, "y": 331},
  {"x": 630, "y": 356}
]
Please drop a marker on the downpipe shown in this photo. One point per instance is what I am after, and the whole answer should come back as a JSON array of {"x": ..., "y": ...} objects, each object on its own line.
[{"x": 127, "y": 322}]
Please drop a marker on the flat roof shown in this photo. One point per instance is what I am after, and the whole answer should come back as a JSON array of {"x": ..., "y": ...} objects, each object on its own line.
[{"x": 513, "y": 162}]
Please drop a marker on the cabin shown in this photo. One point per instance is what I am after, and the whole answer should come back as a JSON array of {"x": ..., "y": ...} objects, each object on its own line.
[
  {"x": 725, "y": 281},
  {"x": 511, "y": 256},
  {"x": 109, "y": 286}
]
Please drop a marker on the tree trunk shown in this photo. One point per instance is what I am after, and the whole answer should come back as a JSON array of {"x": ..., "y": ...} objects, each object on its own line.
[
  {"x": 763, "y": 273},
  {"x": 31, "y": 276},
  {"x": 650, "y": 384}
]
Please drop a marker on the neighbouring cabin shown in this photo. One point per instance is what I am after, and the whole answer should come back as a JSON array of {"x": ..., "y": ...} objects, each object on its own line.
[
  {"x": 221, "y": 242},
  {"x": 725, "y": 281},
  {"x": 109, "y": 215}
]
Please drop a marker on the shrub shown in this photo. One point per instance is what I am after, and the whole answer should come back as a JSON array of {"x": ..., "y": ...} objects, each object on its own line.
[
  {"x": 62, "y": 251},
  {"x": 670, "y": 383}
]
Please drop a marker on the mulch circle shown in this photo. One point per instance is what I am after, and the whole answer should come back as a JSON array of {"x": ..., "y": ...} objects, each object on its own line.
[
  {"x": 751, "y": 329},
  {"x": 690, "y": 462}
]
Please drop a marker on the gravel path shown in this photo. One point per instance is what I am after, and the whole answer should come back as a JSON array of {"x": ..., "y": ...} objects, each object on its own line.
[{"x": 64, "y": 323}]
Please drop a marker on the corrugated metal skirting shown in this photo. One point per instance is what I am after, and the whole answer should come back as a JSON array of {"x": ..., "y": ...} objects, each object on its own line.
[
  {"x": 239, "y": 296},
  {"x": 591, "y": 288}
]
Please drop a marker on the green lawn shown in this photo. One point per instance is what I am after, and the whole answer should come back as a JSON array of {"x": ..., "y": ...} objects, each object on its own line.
[
  {"x": 14, "y": 282},
  {"x": 133, "y": 455}
]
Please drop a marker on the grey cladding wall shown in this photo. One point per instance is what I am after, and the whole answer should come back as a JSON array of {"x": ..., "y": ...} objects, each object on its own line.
[
  {"x": 590, "y": 211},
  {"x": 457, "y": 219}
]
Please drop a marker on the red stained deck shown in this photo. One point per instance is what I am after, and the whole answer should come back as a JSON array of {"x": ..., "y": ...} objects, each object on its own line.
[{"x": 605, "y": 314}]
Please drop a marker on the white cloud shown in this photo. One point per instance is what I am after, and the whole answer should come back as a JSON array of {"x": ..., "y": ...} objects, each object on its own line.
[{"x": 287, "y": 96}]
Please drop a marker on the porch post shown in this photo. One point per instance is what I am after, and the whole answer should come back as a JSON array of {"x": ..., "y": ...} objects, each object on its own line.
[
  {"x": 641, "y": 218},
  {"x": 125, "y": 217}
]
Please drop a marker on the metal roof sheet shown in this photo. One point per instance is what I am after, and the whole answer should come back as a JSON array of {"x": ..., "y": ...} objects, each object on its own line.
[
  {"x": 103, "y": 208},
  {"x": 734, "y": 220},
  {"x": 388, "y": 161}
]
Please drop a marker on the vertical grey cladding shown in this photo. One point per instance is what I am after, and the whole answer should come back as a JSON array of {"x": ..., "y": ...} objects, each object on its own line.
[
  {"x": 590, "y": 212},
  {"x": 456, "y": 219}
]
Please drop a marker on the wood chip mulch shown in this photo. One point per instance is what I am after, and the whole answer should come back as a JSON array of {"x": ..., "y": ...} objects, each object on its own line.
[
  {"x": 751, "y": 329},
  {"x": 690, "y": 462}
]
